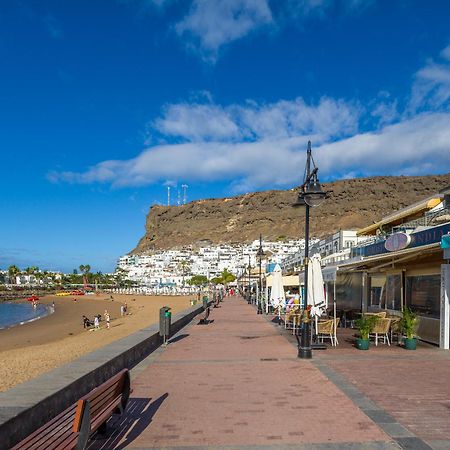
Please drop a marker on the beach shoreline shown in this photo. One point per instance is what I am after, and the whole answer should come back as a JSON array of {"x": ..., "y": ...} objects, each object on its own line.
[{"x": 36, "y": 347}]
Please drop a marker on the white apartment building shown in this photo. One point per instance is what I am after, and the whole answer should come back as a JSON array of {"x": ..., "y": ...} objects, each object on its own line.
[{"x": 176, "y": 266}]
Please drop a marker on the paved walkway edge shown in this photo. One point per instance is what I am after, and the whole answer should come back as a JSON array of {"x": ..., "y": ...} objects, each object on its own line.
[{"x": 27, "y": 406}]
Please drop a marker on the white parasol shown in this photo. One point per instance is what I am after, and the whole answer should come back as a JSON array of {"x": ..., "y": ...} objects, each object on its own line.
[
  {"x": 316, "y": 293},
  {"x": 277, "y": 296}
]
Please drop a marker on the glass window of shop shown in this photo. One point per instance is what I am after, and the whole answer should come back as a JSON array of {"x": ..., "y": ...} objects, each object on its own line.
[
  {"x": 377, "y": 286},
  {"x": 423, "y": 294},
  {"x": 391, "y": 294}
]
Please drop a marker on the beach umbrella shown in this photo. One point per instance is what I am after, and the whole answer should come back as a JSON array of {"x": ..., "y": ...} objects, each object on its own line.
[
  {"x": 277, "y": 296},
  {"x": 316, "y": 294}
]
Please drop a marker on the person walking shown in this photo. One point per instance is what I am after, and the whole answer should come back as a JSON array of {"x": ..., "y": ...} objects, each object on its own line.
[
  {"x": 107, "y": 318},
  {"x": 96, "y": 323}
]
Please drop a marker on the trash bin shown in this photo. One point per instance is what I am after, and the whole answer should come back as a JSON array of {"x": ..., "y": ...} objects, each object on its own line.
[{"x": 165, "y": 319}]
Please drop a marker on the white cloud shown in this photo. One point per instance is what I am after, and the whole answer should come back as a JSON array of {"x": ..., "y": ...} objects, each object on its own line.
[
  {"x": 445, "y": 53},
  {"x": 384, "y": 108},
  {"x": 215, "y": 23},
  {"x": 415, "y": 146},
  {"x": 253, "y": 121},
  {"x": 412, "y": 146},
  {"x": 197, "y": 122},
  {"x": 431, "y": 88},
  {"x": 254, "y": 145}
]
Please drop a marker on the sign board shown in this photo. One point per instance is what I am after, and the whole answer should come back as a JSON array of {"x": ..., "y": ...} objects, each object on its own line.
[
  {"x": 425, "y": 237},
  {"x": 397, "y": 241},
  {"x": 445, "y": 241},
  {"x": 444, "y": 339}
]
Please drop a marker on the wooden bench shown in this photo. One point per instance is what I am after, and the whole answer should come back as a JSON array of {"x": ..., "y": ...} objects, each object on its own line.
[
  {"x": 205, "y": 319},
  {"x": 72, "y": 428}
]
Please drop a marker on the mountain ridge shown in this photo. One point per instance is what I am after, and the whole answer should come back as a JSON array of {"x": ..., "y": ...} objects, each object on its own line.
[{"x": 353, "y": 203}]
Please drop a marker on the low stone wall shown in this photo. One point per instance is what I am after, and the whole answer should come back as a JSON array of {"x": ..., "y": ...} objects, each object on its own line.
[{"x": 26, "y": 407}]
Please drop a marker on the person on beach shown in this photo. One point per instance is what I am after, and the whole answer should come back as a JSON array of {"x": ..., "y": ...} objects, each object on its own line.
[
  {"x": 125, "y": 308},
  {"x": 107, "y": 318},
  {"x": 96, "y": 323},
  {"x": 122, "y": 310},
  {"x": 86, "y": 322}
]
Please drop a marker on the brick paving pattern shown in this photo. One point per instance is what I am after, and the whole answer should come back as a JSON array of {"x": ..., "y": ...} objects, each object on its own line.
[
  {"x": 414, "y": 387},
  {"x": 238, "y": 382}
]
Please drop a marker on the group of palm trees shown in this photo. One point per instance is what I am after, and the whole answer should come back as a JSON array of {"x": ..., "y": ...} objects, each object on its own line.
[
  {"x": 80, "y": 276},
  {"x": 201, "y": 280}
]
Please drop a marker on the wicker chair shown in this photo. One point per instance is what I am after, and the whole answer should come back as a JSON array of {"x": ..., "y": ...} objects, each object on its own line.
[
  {"x": 325, "y": 330},
  {"x": 336, "y": 342},
  {"x": 382, "y": 328},
  {"x": 396, "y": 328},
  {"x": 289, "y": 316},
  {"x": 381, "y": 314}
]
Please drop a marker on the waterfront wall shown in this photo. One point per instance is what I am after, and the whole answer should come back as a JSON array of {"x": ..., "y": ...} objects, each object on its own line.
[{"x": 26, "y": 407}]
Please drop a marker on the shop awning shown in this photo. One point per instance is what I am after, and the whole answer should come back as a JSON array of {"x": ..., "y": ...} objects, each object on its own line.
[
  {"x": 400, "y": 216},
  {"x": 372, "y": 263},
  {"x": 288, "y": 280}
]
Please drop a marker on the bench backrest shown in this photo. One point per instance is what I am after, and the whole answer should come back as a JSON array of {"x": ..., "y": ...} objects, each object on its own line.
[{"x": 108, "y": 395}]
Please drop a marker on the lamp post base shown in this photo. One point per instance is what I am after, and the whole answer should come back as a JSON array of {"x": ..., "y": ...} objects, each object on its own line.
[
  {"x": 305, "y": 353},
  {"x": 304, "y": 345}
]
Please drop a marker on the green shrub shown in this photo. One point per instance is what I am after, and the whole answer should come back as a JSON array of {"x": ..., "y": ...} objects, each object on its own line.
[{"x": 365, "y": 325}]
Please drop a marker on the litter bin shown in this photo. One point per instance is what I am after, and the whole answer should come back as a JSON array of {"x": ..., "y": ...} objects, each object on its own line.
[{"x": 165, "y": 319}]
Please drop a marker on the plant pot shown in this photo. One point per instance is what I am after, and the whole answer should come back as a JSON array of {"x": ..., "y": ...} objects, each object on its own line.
[
  {"x": 362, "y": 344},
  {"x": 410, "y": 344}
]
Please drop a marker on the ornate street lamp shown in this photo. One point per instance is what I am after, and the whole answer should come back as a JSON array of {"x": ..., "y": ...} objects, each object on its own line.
[
  {"x": 260, "y": 255},
  {"x": 249, "y": 292},
  {"x": 310, "y": 195}
]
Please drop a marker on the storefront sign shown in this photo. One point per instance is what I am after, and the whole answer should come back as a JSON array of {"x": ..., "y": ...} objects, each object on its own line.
[
  {"x": 425, "y": 237},
  {"x": 444, "y": 340},
  {"x": 397, "y": 241}
]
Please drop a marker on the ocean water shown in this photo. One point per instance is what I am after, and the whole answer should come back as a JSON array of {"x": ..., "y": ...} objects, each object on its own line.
[{"x": 12, "y": 314}]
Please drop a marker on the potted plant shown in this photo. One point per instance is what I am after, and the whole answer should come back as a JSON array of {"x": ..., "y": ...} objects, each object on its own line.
[
  {"x": 409, "y": 324},
  {"x": 365, "y": 325}
]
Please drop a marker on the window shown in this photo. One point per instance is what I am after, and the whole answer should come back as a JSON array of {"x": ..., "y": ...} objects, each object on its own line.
[
  {"x": 423, "y": 294},
  {"x": 377, "y": 287}
]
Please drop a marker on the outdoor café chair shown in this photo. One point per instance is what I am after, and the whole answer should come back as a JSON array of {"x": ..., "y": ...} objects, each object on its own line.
[
  {"x": 325, "y": 330},
  {"x": 382, "y": 328}
]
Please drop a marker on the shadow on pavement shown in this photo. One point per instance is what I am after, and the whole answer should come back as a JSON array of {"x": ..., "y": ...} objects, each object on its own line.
[
  {"x": 178, "y": 338},
  {"x": 125, "y": 429}
]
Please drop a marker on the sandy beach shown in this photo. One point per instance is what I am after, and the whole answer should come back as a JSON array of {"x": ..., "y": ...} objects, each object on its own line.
[{"x": 34, "y": 348}]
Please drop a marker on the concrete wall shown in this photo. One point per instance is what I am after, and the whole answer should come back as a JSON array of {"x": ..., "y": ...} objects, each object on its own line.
[{"x": 26, "y": 407}]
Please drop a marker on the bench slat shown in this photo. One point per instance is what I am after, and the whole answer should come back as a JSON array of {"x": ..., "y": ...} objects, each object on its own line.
[
  {"x": 62, "y": 432},
  {"x": 64, "y": 437},
  {"x": 103, "y": 398},
  {"x": 56, "y": 423},
  {"x": 105, "y": 414},
  {"x": 105, "y": 385}
]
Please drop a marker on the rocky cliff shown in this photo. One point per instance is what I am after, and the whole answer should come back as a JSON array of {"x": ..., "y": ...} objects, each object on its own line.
[{"x": 353, "y": 204}]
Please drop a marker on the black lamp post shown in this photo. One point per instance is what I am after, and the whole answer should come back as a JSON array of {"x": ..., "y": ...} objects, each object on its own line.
[
  {"x": 310, "y": 195},
  {"x": 260, "y": 255},
  {"x": 249, "y": 297}
]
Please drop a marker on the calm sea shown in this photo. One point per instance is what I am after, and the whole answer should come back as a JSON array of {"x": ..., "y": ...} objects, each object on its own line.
[{"x": 18, "y": 313}]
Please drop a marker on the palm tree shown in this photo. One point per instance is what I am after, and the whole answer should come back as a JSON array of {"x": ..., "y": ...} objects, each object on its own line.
[
  {"x": 13, "y": 271},
  {"x": 184, "y": 267},
  {"x": 85, "y": 270}
]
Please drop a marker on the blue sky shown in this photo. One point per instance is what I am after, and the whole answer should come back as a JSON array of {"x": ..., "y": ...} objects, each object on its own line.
[{"x": 105, "y": 103}]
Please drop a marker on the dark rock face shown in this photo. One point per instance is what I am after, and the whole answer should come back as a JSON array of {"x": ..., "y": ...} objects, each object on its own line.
[{"x": 353, "y": 203}]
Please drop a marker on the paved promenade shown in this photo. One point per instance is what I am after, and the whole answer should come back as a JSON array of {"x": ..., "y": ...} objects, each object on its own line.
[{"x": 237, "y": 383}]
